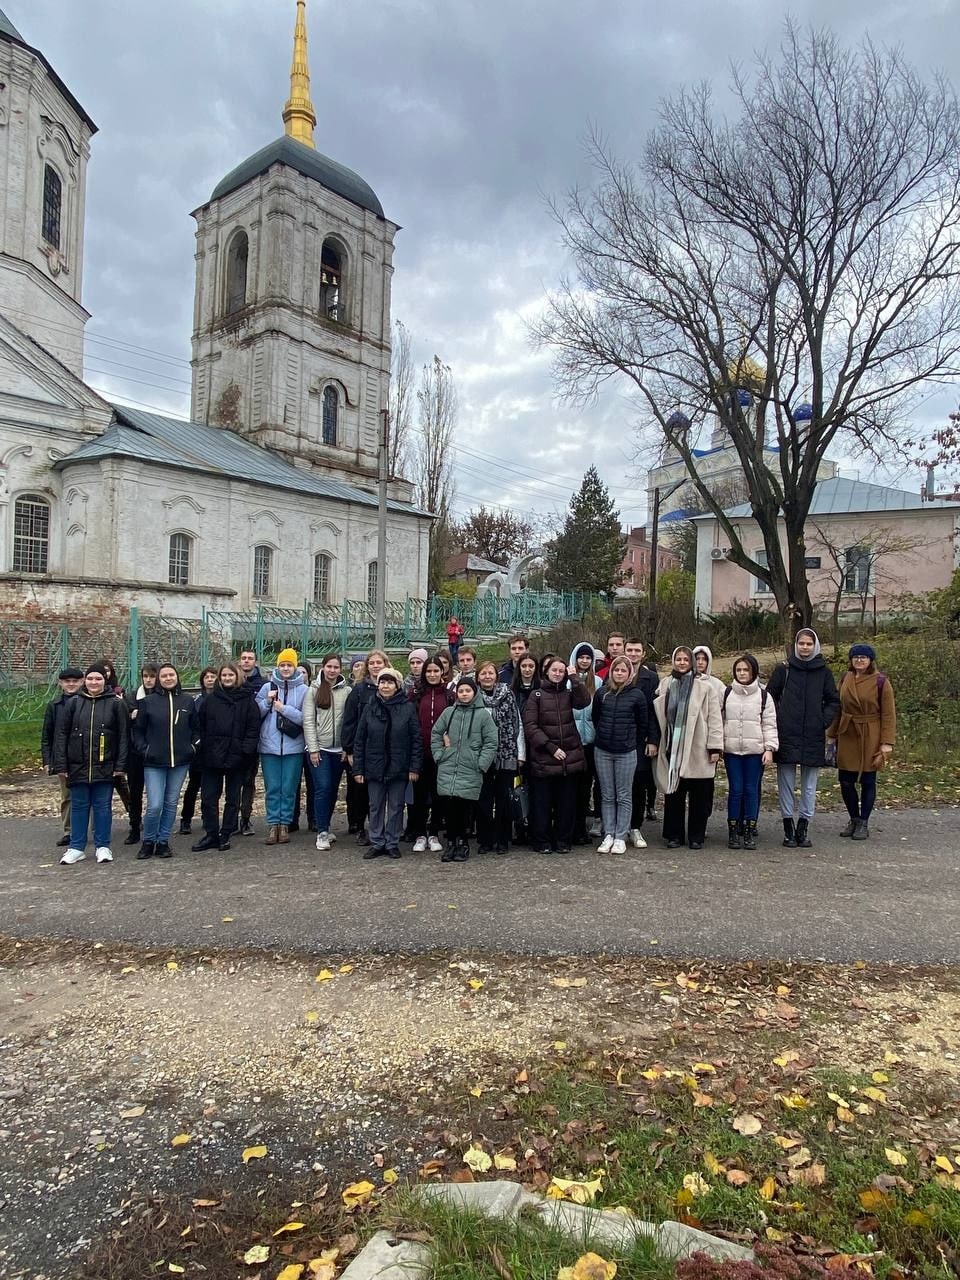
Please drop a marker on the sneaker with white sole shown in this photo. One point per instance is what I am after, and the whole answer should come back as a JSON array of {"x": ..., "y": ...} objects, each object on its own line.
[
  {"x": 420, "y": 844},
  {"x": 638, "y": 840},
  {"x": 71, "y": 856},
  {"x": 434, "y": 845},
  {"x": 331, "y": 837},
  {"x": 619, "y": 846},
  {"x": 323, "y": 841},
  {"x": 104, "y": 854},
  {"x": 605, "y": 845}
]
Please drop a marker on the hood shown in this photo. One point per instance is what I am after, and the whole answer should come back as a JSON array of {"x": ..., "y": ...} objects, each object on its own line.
[
  {"x": 744, "y": 689},
  {"x": 94, "y": 697},
  {"x": 702, "y": 648},
  {"x": 816, "y": 646},
  {"x": 295, "y": 679},
  {"x": 585, "y": 644},
  {"x": 177, "y": 689},
  {"x": 236, "y": 694},
  {"x": 339, "y": 683}
]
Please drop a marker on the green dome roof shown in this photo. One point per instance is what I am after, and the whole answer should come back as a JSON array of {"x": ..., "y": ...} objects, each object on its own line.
[{"x": 335, "y": 177}]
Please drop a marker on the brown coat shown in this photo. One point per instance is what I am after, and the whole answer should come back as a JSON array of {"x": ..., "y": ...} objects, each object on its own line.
[
  {"x": 548, "y": 723},
  {"x": 865, "y": 721}
]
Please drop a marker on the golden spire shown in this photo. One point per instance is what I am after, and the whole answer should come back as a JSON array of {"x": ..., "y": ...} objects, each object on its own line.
[{"x": 299, "y": 117}]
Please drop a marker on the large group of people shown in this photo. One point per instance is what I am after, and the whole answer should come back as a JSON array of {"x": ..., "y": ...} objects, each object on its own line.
[{"x": 543, "y": 751}]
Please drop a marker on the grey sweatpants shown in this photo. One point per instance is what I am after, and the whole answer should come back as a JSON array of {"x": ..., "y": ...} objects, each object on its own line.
[
  {"x": 786, "y": 786},
  {"x": 615, "y": 775},
  {"x": 386, "y": 812}
]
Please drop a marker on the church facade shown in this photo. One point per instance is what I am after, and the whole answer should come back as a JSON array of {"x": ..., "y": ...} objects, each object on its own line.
[{"x": 268, "y": 494}]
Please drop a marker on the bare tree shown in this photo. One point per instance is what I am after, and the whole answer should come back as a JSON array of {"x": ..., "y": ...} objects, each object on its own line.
[
  {"x": 498, "y": 536},
  {"x": 401, "y": 399},
  {"x": 682, "y": 536},
  {"x": 437, "y": 401},
  {"x": 790, "y": 275}
]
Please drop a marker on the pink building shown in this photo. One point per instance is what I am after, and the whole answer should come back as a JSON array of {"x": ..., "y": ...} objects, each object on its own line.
[
  {"x": 864, "y": 542},
  {"x": 635, "y": 566}
]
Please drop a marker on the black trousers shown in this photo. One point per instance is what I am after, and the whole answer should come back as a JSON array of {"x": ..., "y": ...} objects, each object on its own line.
[
  {"x": 358, "y": 802},
  {"x": 553, "y": 808},
  {"x": 495, "y": 809},
  {"x": 213, "y": 783},
  {"x": 641, "y": 787},
  {"x": 690, "y": 806},
  {"x": 135, "y": 788},
  {"x": 460, "y": 813},
  {"x": 190, "y": 793},
  {"x": 425, "y": 815},
  {"x": 248, "y": 787}
]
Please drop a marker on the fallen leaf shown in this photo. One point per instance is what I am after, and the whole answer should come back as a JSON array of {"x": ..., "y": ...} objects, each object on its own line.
[
  {"x": 875, "y": 1095},
  {"x": 917, "y": 1218},
  {"x": 323, "y": 976},
  {"x": 890, "y": 1058},
  {"x": 132, "y": 1113},
  {"x": 181, "y": 1139},
  {"x": 786, "y": 1143},
  {"x": 711, "y": 1163},
  {"x": 768, "y": 1188},
  {"x": 176, "y": 1268},
  {"x": 943, "y": 1163},
  {"x": 783, "y": 991},
  {"x": 835, "y": 1097},
  {"x": 747, "y": 1124},
  {"x": 696, "y": 1184},
  {"x": 703, "y": 1068},
  {"x": 477, "y": 1159},
  {"x": 390, "y": 1176},
  {"x": 292, "y": 1271},
  {"x": 845, "y": 1115},
  {"x": 476, "y": 1092},
  {"x": 345, "y": 968},
  {"x": 207, "y": 1204},
  {"x": 880, "y": 1077},
  {"x": 894, "y": 1156},
  {"x": 590, "y": 1266},
  {"x": 872, "y": 1200},
  {"x": 776, "y": 1236},
  {"x": 227, "y": 920},
  {"x": 256, "y": 1253},
  {"x": 358, "y": 1193},
  {"x": 579, "y": 1191},
  {"x": 784, "y": 1059},
  {"x": 702, "y": 1099},
  {"x": 794, "y": 1101},
  {"x": 815, "y": 1176},
  {"x": 253, "y": 1153},
  {"x": 507, "y": 1163},
  {"x": 569, "y": 982},
  {"x": 738, "y": 1177},
  {"x": 311, "y": 1017},
  {"x": 559, "y": 1045},
  {"x": 289, "y": 1228},
  {"x": 128, "y": 968},
  {"x": 475, "y": 984}
]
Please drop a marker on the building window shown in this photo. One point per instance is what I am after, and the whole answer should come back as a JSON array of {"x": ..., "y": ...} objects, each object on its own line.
[
  {"x": 331, "y": 410},
  {"x": 761, "y": 588},
  {"x": 321, "y": 578},
  {"x": 31, "y": 534},
  {"x": 856, "y": 572},
  {"x": 262, "y": 572},
  {"x": 52, "y": 205},
  {"x": 331, "y": 279},
  {"x": 373, "y": 574},
  {"x": 235, "y": 293},
  {"x": 178, "y": 569}
]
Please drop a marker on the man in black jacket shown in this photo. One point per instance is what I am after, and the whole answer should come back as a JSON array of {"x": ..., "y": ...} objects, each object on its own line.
[
  {"x": 253, "y": 681},
  {"x": 70, "y": 680}
]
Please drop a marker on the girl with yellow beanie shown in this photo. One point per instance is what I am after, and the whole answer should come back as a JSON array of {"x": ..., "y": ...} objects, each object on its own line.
[{"x": 280, "y": 700}]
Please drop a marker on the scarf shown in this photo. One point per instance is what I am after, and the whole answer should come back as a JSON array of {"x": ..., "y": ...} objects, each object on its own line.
[{"x": 676, "y": 709}]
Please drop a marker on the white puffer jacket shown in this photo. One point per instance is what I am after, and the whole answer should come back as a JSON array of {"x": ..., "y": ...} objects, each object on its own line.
[{"x": 745, "y": 731}]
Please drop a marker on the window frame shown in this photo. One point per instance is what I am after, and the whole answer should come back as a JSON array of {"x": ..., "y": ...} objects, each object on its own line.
[
  {"x": 262, "y": 590},
  {"x": 761, "y": 588},
  {"x": 857, "y": 570},
  {"x": 322, "y": 597},
  {"x": 51, "y": 208},
  {"x": 328, "y": 396},
  {"x": 331, "y": 297},
  {"x": 184, "y": 557},
  {"x": 232, "y": 301},
  {"x": 373, "y": 581},
  {"x": 29, "y": 545}
]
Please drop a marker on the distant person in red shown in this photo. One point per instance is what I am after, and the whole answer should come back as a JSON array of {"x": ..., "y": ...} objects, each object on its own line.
[{"x": 454, "y": 637}]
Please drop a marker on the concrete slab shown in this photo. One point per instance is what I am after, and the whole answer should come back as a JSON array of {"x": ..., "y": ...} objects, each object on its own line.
[
  {"x": 497, "y": 1199},
  {"x": 386, "y": 1258}
]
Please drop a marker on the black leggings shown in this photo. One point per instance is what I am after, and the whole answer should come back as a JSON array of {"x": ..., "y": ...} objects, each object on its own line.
[{"x": 859, "y": 806}]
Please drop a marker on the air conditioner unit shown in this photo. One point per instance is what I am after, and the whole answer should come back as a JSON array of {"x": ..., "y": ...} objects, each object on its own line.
[{"x": 717, "y": 553}]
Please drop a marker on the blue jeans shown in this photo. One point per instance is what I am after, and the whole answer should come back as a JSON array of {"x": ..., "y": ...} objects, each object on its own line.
[
  {"x": 743, "y": 786},
  {"x": 281, "y": 777},
  {"x": 85, "y": 796},
  {"x": 162, "y": 785},
  {"x": 326, "y": 784},
  {"x": 786, "y": 786},
  {"x": 615, "y": 773}
]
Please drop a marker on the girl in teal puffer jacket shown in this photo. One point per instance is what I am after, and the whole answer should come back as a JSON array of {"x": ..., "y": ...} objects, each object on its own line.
[{"x": 464, "y": 744}]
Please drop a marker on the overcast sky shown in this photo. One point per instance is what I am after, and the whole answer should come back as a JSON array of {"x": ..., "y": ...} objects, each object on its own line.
[{"x": 463, "y": 115}]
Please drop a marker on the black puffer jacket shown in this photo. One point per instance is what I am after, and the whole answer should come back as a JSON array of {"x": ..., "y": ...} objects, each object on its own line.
[
  {"x": 806, "y": 697},
  {"x": 56, "y": 710},
  {"x": 620, "y": 720},
  {"x": 229, "y": 727},
  {"x": 548, "y": 723},
  {"x": 388, "y": 744},
  {"x": 166, "y": 729},
  {"x": 360, "y": 697},
  {"x": 90, "y": 741}
]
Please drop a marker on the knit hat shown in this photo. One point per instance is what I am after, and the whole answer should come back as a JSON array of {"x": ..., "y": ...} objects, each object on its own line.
[
  {"x": 467, "y": 680},
  {"x": 96, "y": 668},
  {"x": 418, "y": 653},
  {"x": 70, "y": 673},
  {"x": 391, "y": 673},
  {"x": 862, "y": 651},
  {"x": 287, "y": 655}
]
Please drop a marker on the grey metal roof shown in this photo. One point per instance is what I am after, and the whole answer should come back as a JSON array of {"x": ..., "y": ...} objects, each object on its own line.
[
  {"x": 840, "y": 496},
  {"x": 8, "y": 29},
  {"x": 335, "y": 177},
  {"x": 9, "y": 32},
  {"x": 174, "y": 442}
]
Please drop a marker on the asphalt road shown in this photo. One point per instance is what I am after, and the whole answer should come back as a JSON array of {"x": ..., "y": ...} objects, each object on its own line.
[{"x": 895, "y": 898}]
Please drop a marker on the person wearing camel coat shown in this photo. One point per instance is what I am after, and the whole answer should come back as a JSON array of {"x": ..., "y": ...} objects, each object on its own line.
[
  {"x": 700, "y": 745},
  {"x": 865, "y": 730}
]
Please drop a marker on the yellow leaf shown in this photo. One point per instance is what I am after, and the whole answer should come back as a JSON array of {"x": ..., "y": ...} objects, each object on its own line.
[
  {"x": 783, "y": 991},
  {"x": 695, "y": 1184},
  {"x": 875, "y": 1095},
  {"x": 711, "y": 1163},
  {"x": 476, "y": 1091},
  {"x": 559, "y": 1045},
  {"x": 228, "y": 920},
  {"x": 390, "y": 1176},
  {"x": 835, "y": 1097},
  {"x": 942, "y": 1162},
  {"x": 253, "y": 1153},
  {"x": 794, "y": 1101},
  {"x": 872, "y": 1199},
  {"x": 176, "y": 1269},
  {"x": 768, "y": 1188},
  {"x": 894, "y": 1156},
  {"x": 504, "y": 1162},
  {"x": 289, "y": 1228},
  {"x": 684, "y": 1198},
  {"x": 345, "y": 968},
  {"x": 846, "y": 1115},
  {"x": 357, "y": 1193},
  {"x": 880, "y": 1077},
  {"x": 590, "y": 1266},
  {"x": 917, "y": 1218},
  {"x": 580, "y": 1192},
  {"x": 172, "y": 966},
  {"x": 181, "y": 1139},
  {"x": 323, "y": 976},
  {"x": 703, "y": 1068},
  {"x": 311, "y": 1017},
  {"x": 475, "y": 984},
  {"x": 651, "y": 1074},
  {"x": 477, "y": 1159},
  {"x": 786, "y": 1143},
  {"x": 292, "y": 1271},
  {"x": 129, "y": 968},
  {"x": 747, "y": 1124},
  {"x": 784, "y": 1059},
  {"x": 256, "y": 1253},
  {"x": 890, "y": 1058},
  {"x": 776, "y": 1236}
]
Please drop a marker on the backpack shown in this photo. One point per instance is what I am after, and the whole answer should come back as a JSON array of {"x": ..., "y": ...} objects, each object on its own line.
[{"x": 726, "y": 695}]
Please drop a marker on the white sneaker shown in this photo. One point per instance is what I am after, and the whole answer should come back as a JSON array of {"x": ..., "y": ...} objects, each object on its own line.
[
  {"x": 434, "y": 845},
  {"x": 420, "y": 844},
  {"x": 71, "y": 856},
  {"x": 323, "y": 841},
  {"x": 605, "y": 845},
  {"x": 104, "y": 854},
  {"x": 637, "y": 837},
  {"x": 619, "y": 846},
  {"x": 331, "y": 837}
]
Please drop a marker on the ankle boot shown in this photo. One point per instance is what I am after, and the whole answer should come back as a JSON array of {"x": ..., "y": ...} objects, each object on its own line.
[
  {"x": 272, "y": 835},
  {"x": 146, "y": 850},
  {"x": 789, "y": 836},
  {"x": 849, "y": 829},
  {"x": 803, "y": 840},
  {"x": 861, "y": 831},
  {"x": 733, "y": 836},
  {"x": 283, "y": 834},
  {"x": 750, "y": 834}
]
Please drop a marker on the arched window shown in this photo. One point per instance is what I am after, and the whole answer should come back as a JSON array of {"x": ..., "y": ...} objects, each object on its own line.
[
  {"x": 178, "y": 570},
  {"x": 321, "y": 578},
  {"x": 262, "y": 572},
  {"x": 31, "y": 534},
  {"x": 331, "y": 410},
  {"x": 331, "y": 282},
  {"x": 52, "y": 205},
  {"x": 235, "y": 293},
  {"x": 373, "y": 574}
]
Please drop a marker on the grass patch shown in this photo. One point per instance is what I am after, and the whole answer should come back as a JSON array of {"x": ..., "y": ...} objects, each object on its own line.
[{"x": 20, "y": 744}]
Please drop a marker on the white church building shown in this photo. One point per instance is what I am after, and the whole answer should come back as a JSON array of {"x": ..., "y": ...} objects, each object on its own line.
[{"x": 268, "y": 494}]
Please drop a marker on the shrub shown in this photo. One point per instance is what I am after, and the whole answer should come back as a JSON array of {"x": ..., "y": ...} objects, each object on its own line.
[
  {"x": 771, "y": 1264},
  {"x": 745, "y": 625}
]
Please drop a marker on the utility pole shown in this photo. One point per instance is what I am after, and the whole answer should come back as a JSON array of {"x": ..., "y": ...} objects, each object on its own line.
[
  {"x": 655, "y": 538},
  {"x": 380, "y": 623}
]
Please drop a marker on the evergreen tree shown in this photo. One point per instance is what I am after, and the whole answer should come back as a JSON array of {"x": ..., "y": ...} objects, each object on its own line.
[{"x": 587, "y": 552}]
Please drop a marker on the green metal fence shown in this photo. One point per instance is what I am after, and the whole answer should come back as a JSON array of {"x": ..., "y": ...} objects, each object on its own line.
[{"x": 32, "y": 652}]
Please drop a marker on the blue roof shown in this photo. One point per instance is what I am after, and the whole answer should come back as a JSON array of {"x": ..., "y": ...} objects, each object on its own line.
[
  {"x": 312, "y": 164},
  {"x": 839, "y": 496},
  {"x": 195, "y": 446},
  {"x": 680, "y": 513}
]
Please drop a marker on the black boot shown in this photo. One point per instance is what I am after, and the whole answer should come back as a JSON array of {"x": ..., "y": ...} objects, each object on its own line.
[
  {"x": 205, "y": 842},
  {"x": 462, "y": 852},
  {"x": 163, "y": 850},
  {"x": 750, "y": 834},
  {"x": 733, "y": 836},
  {"x": 861, "y": 831},
  {"x": 447, "y": 854},
  {"x": 146, "y": 850},
  {"x": 185, "y": 824},
  {"x": 133, "y": 836},
  {"x": 849, "y": 829},
  {"x": 803, "y": 840},
  {"x": 789, "y": 836}
]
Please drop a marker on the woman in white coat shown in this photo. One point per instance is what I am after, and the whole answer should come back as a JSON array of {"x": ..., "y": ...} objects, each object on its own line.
[
  {"x": 749, "y": 741},
  {"x": 691, "y": 740}
]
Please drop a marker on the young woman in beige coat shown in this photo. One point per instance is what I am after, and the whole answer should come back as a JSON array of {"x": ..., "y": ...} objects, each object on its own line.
[{"x": 691, "y": 740}]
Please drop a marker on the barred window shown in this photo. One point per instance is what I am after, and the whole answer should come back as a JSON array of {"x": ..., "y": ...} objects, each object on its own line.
[
  {"x": 52, "y": 204},
  {"x": 321, "y": 578},
  {"x": 31, "y": 534},
  {"x": 373, "y": 573},
  {"x": 178, "y": 573},
  {"x": 331, "y": 410},
  {"x": 856, "y": 572},
  {"x": 262, "y": 572}
]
